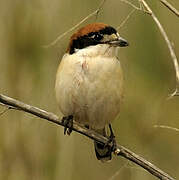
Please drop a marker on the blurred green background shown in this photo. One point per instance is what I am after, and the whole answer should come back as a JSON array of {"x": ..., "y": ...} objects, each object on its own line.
[{"x": 34, "y": 149}]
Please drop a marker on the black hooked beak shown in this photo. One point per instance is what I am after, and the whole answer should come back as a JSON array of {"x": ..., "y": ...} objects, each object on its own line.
[{"x": 119, "y": 42}]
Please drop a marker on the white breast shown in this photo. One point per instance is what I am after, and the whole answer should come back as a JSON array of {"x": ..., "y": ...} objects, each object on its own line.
[{"x": 89, "y": 88}]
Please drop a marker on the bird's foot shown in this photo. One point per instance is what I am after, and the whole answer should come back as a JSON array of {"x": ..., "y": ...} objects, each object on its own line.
[
  {"x": 68, "y": 124},
  {"x": 112, "y": 141},
  {"x": 87, "y": 126}
]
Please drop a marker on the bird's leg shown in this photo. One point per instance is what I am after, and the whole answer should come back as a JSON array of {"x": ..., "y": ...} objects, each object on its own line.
[
  {"x": 87, "y": 126},
  {"x": 112, "y": 139},
  {"x": 68, "y": 124}
]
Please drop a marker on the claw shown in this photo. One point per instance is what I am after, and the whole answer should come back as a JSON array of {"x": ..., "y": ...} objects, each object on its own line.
[
  {"x": 68, "y": 124},
  {"x": 112, "y": 140}
]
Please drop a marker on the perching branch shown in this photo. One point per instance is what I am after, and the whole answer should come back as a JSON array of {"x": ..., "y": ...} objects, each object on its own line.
[{"x": 120, "y": 151}]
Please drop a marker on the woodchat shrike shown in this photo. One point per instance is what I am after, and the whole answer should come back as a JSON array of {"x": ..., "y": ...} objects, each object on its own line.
[{"x": 89, "y": 81}]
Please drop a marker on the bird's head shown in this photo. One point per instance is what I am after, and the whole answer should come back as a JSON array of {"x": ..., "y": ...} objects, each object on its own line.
[{"x": 95, "y": 38}]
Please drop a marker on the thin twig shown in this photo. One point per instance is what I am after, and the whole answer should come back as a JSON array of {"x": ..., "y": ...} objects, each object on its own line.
[
  {"x": 96, "y": 12},
  {"x": 120, "y": 150},
  {"x": 134, "y": 6},
  {"x": 169, "y": 44},
  {"x": 130, "y": 4},
  {"x": 170, "y": 7},
  {"x": 125, "y": 20},
  {"x": 166, "y": 127}
]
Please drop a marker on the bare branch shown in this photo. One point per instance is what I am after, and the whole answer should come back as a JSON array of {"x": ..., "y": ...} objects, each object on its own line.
[
  {"x": 166, "y": 127},
  {"x": 170, "y": 7},
  {"x": 134, "y": 6},
  {"x": 96, "y": 12},
  {"x": 120, "y": 151},
  {"x": 130, "y": 4},
  {"x": 169, "y": 44}
]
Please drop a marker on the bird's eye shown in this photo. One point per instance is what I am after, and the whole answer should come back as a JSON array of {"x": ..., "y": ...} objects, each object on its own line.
[{"x": 97, "y": 37}]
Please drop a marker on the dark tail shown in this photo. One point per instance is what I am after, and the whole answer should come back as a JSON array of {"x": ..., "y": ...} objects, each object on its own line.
[{"x": 103, "y": 152}]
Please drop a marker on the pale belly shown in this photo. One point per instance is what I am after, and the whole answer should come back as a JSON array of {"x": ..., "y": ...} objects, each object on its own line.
[{"x": 90, "y": 89}]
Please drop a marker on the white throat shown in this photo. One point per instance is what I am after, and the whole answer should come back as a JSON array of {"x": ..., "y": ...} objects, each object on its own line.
[{"x": 98, "y": 50}]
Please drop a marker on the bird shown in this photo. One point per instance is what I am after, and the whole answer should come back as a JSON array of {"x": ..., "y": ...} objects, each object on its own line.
[{"x": 89, "y": 82}]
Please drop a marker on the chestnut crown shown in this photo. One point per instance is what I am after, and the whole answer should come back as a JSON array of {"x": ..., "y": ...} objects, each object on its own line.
[{"x": 94, "y": 34}]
